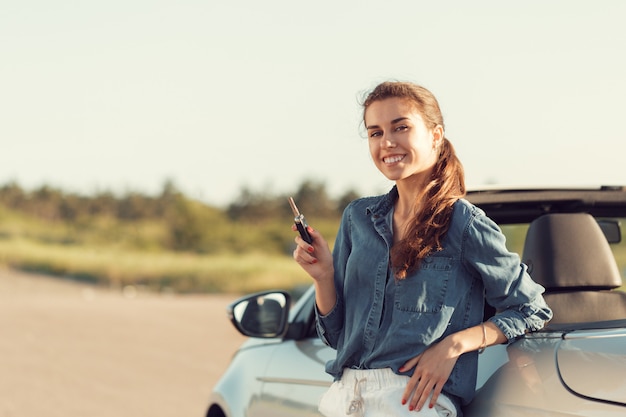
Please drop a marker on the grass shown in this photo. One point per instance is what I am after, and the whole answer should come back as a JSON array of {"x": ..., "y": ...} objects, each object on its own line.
[
  {"x": 155, "y": 270},
  {"x": 111, "y": 253}
]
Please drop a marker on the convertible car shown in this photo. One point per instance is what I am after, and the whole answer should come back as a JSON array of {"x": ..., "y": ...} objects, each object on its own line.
[{"x": 576, "y": 366}]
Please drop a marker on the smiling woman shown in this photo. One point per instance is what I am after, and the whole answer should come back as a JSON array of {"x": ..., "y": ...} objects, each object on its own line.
[
  {"x": 407, "y": 139},
  {"x": 401, "y": 297}
]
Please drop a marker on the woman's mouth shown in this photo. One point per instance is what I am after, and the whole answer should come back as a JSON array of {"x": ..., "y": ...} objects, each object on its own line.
[{"x": 389, "y": 160}]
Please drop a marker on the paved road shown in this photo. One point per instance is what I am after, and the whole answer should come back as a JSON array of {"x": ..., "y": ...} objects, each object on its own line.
[{"x": 69, "y": 350}]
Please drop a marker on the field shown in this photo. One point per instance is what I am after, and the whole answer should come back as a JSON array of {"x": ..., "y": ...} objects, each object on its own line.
[
  {"x": 184, "y": 248},
  {"x": 158, "y": 271}
]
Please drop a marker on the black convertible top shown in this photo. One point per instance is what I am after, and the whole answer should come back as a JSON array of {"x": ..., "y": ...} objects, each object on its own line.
[{"x": 510, "y": 206}]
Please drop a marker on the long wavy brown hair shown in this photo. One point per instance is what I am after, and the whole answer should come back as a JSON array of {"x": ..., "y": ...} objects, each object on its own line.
[{"x": 446, "y": 185}]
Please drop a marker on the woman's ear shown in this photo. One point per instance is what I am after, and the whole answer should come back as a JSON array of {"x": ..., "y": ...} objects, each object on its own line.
[{"x": 438, "y": 134}]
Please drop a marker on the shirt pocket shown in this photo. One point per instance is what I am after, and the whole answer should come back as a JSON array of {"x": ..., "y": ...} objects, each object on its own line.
[{"x": 424, "y": 291}]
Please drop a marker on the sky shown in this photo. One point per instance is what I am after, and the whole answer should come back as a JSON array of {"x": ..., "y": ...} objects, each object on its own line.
[{"x": 217, "y": 96}]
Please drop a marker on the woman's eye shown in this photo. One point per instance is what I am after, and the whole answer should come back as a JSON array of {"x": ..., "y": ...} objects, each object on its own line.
[
  {"x": 401, "y": 128},
  {"x": 375, "y": 134}
]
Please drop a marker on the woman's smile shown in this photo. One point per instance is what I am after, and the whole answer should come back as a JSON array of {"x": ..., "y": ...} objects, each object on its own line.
[{"x": 393, "y": 159}]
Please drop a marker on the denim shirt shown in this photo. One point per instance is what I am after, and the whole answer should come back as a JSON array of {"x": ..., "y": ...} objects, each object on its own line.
[{"x": 382, "y": 322}]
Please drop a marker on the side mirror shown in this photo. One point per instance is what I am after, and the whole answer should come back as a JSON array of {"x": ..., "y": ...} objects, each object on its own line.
[
  {"x": 611, "y": 229},
  {"x": 264, "y": 314}
]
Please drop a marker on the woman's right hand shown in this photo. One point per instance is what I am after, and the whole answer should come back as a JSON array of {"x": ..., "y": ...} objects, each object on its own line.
[{"x": 316, "y": 258}]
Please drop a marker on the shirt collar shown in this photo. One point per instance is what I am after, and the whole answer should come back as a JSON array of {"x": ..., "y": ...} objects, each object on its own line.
[{"x": 383, "y": 205}]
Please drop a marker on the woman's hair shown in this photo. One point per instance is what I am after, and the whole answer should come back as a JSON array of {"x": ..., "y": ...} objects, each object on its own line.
[{"x": 445, "y": 186}]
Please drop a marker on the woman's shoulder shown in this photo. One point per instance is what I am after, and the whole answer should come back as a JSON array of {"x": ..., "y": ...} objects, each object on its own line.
[
  {"x": 464, "y": 209},
  {"x": 466, "y": 216},
  {"x": 472, "y": 219},
  {"x": 366, "y": 201},
  {"x": 370, "y": 204}
]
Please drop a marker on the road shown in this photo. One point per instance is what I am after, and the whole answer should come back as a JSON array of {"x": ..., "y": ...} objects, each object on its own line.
[{"x": 71, "y": 350}]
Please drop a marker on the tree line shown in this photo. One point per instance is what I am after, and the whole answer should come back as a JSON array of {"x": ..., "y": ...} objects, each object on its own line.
[{"x": 253, "y": 219}]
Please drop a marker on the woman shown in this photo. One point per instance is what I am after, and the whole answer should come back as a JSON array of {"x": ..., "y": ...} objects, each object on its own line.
[{"x": 401, "y": 297}]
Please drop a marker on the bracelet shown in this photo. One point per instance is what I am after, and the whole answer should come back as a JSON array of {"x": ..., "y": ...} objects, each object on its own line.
[{"x": 484, "y": 344}]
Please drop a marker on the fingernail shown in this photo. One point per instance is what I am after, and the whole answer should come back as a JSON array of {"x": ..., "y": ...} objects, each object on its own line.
[
  {"x": 430, "y": 406},
  {"x": 314, "y": 261},
  {"x": 309, "y": 229},
  {"x": 403, "y": 401},
  {"x": 310, "y": 249},
  {"x": 411, "y": 408}
]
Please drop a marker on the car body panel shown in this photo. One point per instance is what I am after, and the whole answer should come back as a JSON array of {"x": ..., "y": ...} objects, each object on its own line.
[
  {"x": 290, "y": 393},
  {"x": 592, "y": 364},
  {"x": 230, "y": 395},
  {"x": 529, "y": 384}
]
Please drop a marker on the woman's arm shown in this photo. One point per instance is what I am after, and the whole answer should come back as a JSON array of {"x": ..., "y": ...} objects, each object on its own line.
[
  {"x": 434, "y": 366},
  {"x": 508, "y": 286}
]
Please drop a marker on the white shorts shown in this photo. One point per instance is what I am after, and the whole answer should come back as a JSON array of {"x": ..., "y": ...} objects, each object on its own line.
[{"x": 376, "y": 393}]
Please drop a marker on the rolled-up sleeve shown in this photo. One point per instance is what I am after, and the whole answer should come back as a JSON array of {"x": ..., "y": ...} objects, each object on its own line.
[
  {"x": 330, "y": 326},
  {"x": 518, "y": 300}
]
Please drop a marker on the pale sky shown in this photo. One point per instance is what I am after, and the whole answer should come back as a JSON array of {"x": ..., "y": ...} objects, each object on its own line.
[{"x": 123, "y": 94}]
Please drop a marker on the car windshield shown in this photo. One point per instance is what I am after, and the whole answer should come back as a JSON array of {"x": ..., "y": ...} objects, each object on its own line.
[{"x": 516, "y": 233}]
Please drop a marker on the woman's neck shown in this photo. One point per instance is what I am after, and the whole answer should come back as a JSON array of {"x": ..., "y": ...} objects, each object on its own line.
[
  {"x": 407, "y": 206},
  {"x": 410, "y": 194}
]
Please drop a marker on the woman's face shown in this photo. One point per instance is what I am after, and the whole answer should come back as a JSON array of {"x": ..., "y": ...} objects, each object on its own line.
[{"x": 401, "y": 145}]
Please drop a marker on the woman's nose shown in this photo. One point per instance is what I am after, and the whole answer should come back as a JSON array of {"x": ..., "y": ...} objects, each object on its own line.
[{"x": 388, "y": 142}]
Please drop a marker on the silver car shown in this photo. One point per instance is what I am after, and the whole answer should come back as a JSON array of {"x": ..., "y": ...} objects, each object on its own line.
[{"x": 576, "y": 366}]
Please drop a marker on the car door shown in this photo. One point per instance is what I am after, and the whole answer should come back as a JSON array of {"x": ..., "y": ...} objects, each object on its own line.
[{"x": 295, "y": 377}]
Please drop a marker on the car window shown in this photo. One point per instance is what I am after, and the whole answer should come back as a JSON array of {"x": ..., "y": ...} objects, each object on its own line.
[
  {"x": 516, "y": 234},
  {"x": 305, "y": 313}
]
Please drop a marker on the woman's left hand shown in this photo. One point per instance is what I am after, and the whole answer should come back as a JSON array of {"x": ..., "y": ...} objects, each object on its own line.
[{"x": 432, "y": 369}]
